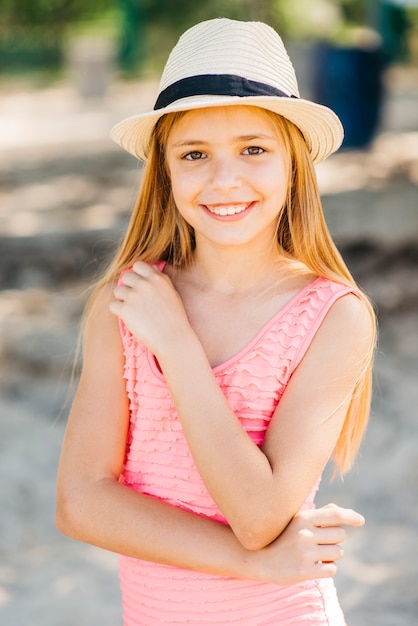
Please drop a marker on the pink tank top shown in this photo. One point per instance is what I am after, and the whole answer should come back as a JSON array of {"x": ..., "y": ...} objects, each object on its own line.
[{"x": 158, "y": 463}]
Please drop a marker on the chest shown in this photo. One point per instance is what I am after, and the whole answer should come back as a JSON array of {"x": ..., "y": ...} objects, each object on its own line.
[{"x": 226, "y": 325}]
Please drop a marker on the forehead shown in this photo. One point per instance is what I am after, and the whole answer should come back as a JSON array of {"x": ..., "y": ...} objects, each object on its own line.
[{"x": 239, "y": 119}]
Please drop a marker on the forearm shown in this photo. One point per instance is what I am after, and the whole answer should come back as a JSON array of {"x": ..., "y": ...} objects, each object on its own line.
[
  {"x": 234, "y": 469},
  {"x": 116, "y": 518}
]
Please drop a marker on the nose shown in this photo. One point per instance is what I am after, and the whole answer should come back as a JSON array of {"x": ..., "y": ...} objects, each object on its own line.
[{"x": 225, "y": 174}]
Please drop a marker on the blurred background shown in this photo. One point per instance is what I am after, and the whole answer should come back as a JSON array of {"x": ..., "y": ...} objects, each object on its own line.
[{"x": 69, "y": 70}]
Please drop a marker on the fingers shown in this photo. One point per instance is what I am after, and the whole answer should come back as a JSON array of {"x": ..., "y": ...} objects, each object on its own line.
[
  {"x": 139, "y": 270},
  {"x": 328, "y": 535},
  {"x": 313, "y": 540},
  {"x": 121, "y": 292},
  {"x": 333, "y": 515},
  {"x": 144, "y": 270},
  {"x": 325, "y": 561},
  {"x": 324, "y": 570},
  {"x": 130, "y": 279},
  {"x": 329, "y": 554}
]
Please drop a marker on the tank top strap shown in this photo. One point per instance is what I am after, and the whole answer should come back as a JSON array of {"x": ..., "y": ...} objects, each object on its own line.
[{"x": 310, "y": 310}]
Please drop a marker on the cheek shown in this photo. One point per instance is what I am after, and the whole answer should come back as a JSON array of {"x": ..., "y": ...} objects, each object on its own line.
[
  {"x": 175, "y": 182},
  {"x": 182, "y": 198},
  {"x": 282, "y": 179},
  {"x": 274, "y": 180},
  {"x": 178, "y": 192},
  {"x": 185, "y": 187}
]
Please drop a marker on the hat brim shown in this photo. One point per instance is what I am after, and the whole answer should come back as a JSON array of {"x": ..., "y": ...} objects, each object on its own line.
[{"x": 319, "y": 125}]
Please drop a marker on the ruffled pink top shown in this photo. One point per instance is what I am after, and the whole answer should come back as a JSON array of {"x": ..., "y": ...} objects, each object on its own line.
[{"x": 159, "y": 463}]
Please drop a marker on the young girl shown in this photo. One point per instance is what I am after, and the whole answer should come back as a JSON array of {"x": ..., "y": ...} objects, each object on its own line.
[{"x": 227, "y": 353}]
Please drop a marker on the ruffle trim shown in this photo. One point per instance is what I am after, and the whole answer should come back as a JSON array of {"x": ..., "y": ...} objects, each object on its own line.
[
  {"x": 158, "y": 594},
  {"x": 158, "y": 460}
]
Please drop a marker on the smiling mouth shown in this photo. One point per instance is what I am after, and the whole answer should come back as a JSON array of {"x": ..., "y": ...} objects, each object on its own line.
[{"x": 228, "y": 209}]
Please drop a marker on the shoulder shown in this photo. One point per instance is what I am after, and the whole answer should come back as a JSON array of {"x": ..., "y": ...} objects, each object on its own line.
[
  {"x": 101, "y": 328},
  {"x": 349, "y": 325},
  {"x": 98, "y": 306},
  {"x": 351, "y": 310},
  {"x": 340, "y": 349}
]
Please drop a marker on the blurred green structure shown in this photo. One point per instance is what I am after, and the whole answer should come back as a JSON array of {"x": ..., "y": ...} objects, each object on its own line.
[
  {"x": 132, "y": 47},
  {"x": 394, "y": 25},
  {"x": 33, "y": 33}
]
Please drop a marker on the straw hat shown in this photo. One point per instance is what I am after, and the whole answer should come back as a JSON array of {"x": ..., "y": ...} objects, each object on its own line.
[{"x": 224, "y": 62}]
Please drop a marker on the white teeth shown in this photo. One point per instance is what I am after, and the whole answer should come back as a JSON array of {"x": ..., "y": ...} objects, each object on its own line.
[{"x": 228, "y": 210}]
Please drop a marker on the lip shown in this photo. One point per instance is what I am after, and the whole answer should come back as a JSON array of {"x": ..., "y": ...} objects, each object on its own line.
[{"x": 219, "y": 211}]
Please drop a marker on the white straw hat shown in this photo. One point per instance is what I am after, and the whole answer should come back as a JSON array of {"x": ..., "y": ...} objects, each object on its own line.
[{"x": 224, "y": 62}]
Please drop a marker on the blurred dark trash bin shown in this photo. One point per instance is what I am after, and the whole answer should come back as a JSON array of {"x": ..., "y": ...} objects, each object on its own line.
[{"x": 349, "y": 80}]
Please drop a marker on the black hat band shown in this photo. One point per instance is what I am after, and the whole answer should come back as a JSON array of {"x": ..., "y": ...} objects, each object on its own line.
[{"x": 215, "y": 85}]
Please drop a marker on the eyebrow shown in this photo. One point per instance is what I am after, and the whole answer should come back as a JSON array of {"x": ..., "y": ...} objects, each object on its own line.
[{"x": 201, "y": 142}]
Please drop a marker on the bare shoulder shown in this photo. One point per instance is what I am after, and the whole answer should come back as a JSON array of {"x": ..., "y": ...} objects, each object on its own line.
[
  {"x": 338, "y": 353},
  {"x": 98, "y": 307},
  {"x": 102, "y": 335},
  {"x": 352, "y": 313},
  {"x": 101, "y": 299},
  {"x": 349, "y": 326}
]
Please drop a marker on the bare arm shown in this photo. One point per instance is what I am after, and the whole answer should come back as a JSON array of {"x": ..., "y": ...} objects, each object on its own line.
[
  {"x": 94, "y": 507},
  {"x": 258, "y": 490}
]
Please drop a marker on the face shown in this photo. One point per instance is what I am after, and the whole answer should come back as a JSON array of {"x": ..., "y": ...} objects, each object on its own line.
[{"x": 228, "y": 174}]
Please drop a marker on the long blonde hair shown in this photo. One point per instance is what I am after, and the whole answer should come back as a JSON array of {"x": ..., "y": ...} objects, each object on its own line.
[{"x": 158, "y": 232}]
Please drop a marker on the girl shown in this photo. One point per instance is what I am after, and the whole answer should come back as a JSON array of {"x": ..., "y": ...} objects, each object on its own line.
[{"x": 227, "y": 353}]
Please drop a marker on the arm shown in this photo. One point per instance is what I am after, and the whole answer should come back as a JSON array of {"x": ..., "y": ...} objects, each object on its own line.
[
  {"x": 92, "y": 506},
  {"x": 258, "y": 490}
]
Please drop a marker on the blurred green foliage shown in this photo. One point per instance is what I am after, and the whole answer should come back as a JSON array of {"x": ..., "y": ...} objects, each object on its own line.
[
  {"x": 166, "y": 20},
  {"x": 48, "y": 13},
  {"x": 34, "y": 33}
]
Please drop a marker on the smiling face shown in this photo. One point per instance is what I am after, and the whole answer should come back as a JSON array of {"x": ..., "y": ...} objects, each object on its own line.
[{"x": 229, "y": 174}]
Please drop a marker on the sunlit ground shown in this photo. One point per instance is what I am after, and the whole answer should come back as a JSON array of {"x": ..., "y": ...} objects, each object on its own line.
[{"x": 65, "y": 195}]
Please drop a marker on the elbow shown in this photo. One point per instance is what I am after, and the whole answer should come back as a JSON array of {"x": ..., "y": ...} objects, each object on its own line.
[
  {"x": 81, "y": 509},
  {"x": 68, "y": 516},
  {"x": 252, "y": 541},
  {"x": 64, "y": 519},
  {"x": 259, "y": 532}
]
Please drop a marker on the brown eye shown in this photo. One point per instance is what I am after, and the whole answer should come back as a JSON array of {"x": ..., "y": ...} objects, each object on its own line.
[
  {"x": 253, "y": 150},
  {"x": 194, "y": 156}
]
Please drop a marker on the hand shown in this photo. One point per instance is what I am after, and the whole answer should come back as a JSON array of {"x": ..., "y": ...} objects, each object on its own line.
[
  {"x": 150, "y": 306},
  {"x": 308, "y": 548}
]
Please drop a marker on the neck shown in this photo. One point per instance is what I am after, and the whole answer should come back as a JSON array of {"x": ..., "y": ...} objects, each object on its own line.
[{"x": 236, "y": 270}]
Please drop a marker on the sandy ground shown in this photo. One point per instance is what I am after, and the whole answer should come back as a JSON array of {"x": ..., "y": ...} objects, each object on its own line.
[{"x": 65, "y": 193}]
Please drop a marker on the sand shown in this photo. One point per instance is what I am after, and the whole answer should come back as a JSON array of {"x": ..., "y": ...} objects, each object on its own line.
[{"x": 65, "y": 197}]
